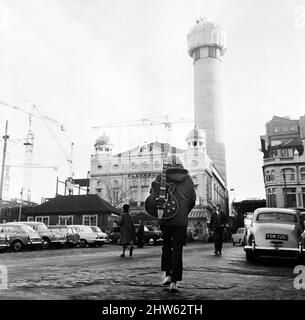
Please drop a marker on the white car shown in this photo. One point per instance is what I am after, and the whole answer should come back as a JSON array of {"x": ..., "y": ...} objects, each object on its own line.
[
  {"x": 239, "y": 236},
  {"x": 102, "y": 236},
  {"x": 88, "y": 236},
  {"x": 275, "y": 231}
]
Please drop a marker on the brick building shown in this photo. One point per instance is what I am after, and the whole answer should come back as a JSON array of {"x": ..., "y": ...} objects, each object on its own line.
[{"x": 284, "y": 162}]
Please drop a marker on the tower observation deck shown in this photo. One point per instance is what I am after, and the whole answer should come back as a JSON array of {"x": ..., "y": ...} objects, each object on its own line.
[{"x": 207, "y": 46}]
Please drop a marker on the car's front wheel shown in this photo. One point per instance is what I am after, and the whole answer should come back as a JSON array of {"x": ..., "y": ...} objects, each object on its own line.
[
  {"x": 17, "y": 245},
  {"x": 83, "y": 243},
  {"x": 46, "y": 243}
]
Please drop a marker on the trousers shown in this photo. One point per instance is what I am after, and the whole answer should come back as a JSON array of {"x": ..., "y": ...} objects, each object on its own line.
[
  {"x": 218, "y": 239},
  {"x": 171, "y": 259}
]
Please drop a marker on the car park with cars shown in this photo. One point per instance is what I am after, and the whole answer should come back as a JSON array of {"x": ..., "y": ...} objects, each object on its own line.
[
  {"x": 88, "y": 236},
  {"x": 239, "y": 237},
  {"x": 275, "y": 232},
  {"x": 70, "y": 233},
  {"x": 48, "y": 237},
  {"x": 20, "y": 236}
]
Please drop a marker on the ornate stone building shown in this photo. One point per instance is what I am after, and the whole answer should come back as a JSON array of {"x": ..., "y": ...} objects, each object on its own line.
[
  {"x": 284, "y": 162},
  {"x": 126, "y": 177}
]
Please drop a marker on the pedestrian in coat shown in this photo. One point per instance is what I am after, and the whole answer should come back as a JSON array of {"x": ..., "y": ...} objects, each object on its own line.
[
  {"x": 174, "y": 230},
  {"x": 217, "y": 226},
  {"x": 127, "y": 231}
]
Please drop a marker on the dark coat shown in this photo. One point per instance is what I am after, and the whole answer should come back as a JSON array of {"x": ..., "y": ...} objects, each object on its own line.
[
  {"x": 218, "y": 223},
  {"x": 127, "y": 229},
  {"x": 184, "y": 193}
]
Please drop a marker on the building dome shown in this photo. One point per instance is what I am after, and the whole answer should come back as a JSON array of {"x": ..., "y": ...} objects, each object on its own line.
[
  {"x": 102, "y": 140},
  {"x": 196, "y": 137}
]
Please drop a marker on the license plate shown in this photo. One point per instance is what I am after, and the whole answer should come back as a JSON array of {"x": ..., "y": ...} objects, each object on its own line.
[{"x": 275, "y": 236}]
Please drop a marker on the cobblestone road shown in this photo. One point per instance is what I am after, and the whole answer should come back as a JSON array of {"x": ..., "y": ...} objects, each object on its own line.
[{"x": 99, "y": 273}]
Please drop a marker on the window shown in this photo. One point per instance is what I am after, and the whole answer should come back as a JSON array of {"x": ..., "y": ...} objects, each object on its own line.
[
  {"x": 196, "y": 54},
  {"x": 116, "y": 166},
  {"x": 267, "y": 176},
  {"x": 145, "y": 164},
  {"x": 290, "y": 197},
  {"x": 303, "y": 195},
  {"x": 272, "y": 198},
  {"x": 30, "y": 219},
  {"x": 115, "y": 194},
  {"x": 43, "y": 219},
  {"x": 133, "y": 193},
  {"x": 272, "y": 175},
  {"x": 65, "y": 220},
  {"x": 90, "y": 220},
  {"x": 288, "y": 174},
  {"x": 286, "y": 153},
  {"x": 302, "y": 173},
  {"x": 145, "y": 191},
  {"x": 276, "y": 217},
  {"x": 212, "y": 52}
]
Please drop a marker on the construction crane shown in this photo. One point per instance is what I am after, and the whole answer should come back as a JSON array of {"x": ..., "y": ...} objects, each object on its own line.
[
  {"x": 29, "y": 143},
  {"x": 167, "y": 122}
]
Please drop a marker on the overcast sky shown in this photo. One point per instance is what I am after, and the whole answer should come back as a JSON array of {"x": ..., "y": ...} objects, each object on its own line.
[{"x": 88, "y": 62}]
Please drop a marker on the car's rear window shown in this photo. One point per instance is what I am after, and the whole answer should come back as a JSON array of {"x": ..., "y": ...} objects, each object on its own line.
[{"x": 276, "y": 217}]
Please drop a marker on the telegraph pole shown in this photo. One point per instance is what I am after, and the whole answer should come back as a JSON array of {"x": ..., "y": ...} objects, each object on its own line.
[{"x": 5, "y": 138}]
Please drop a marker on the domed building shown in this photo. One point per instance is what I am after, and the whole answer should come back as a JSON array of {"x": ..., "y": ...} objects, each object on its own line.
[{"x": 126, "y": 177}]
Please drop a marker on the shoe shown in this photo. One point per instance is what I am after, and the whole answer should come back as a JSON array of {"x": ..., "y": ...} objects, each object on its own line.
[
  {"x": 216, "y": 253},
  {"x": 130, "y": 252},
  {"x": 173, "y": 287},
  {"x": 122, "y": 255},
  {"x": 167, "y": 281},
  {"x": 219, "y": 252}
]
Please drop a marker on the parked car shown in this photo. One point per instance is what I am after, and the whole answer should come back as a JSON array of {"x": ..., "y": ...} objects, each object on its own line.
[
  {"x": 115, "y": 235},
  {"x": 239, "y": 237},
  {"x": 88, "y": 236},
  {"x": 4, "y": 241},
  {"x": 151, "y": 235},
  {"x": 275, "y": 231},
  {"x": 101, "y": 235},
  {"x": 48, "y": 237},
  {"x": 21, "y": 236},
  {"x": 70, "y": 233}
]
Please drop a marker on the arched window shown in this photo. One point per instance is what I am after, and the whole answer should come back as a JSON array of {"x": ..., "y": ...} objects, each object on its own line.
[
  {"x": 267, "y": 175},
  {"x": 302, "y": 173},
  {"x": 272, "y": 175}
]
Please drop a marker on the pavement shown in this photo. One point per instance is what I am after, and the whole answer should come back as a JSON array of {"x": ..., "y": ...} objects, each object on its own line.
[{"x": 100, "y": 273}]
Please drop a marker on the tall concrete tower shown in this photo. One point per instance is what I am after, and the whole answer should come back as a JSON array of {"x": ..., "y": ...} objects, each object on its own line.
[{"x": 207, "y": 45}]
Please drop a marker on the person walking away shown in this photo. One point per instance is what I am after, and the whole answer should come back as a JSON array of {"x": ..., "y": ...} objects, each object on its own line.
[
  {"x": 127, "y": 231},
  {"x": 174, "y": 230},
  {"x": 140, "y": 234},
  {"x": 217, "y": 226}
]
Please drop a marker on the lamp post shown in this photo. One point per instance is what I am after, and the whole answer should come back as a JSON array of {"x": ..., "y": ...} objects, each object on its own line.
[
  {"x": 20, "y": 207},
  {"x": 285, "y": 188}
]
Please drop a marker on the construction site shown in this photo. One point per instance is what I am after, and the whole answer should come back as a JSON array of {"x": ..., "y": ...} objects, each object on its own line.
[{"x": 13, "y": 207}]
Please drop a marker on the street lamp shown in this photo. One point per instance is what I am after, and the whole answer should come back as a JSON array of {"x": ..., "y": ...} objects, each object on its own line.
[{"x": 285, "y": 188}]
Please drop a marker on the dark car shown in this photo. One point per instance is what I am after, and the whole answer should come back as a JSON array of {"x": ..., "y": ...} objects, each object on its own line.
[
  {"x": 115, "y": 235},
  {"x": 48, "y": 237},
  {"x": 152, "y": 235},
  {"x": 70, "y": 233}
]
